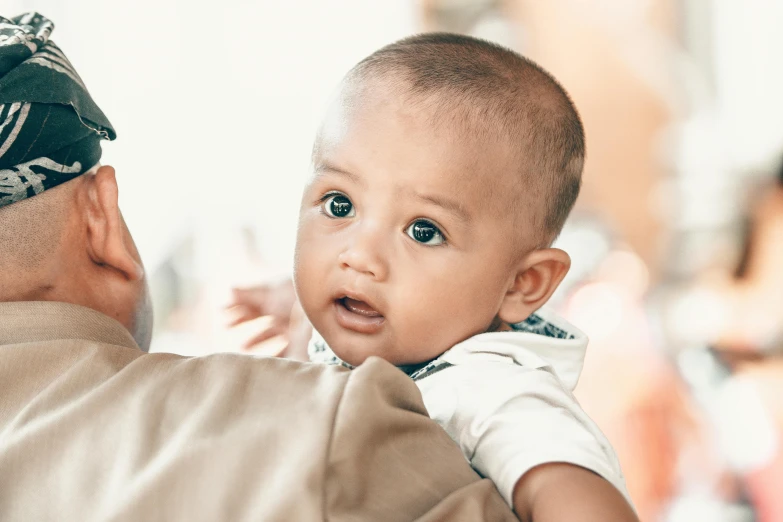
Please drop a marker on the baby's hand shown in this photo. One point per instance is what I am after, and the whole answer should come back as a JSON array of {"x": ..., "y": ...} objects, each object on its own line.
[
  {"x": 277, "y": 301},
  {"x": 269, "y": 299}
]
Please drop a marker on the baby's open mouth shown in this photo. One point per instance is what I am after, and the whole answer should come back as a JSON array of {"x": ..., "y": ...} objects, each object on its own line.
[
  {"x": 358, "y": 316},
  {"x": 358, "y": 307}
]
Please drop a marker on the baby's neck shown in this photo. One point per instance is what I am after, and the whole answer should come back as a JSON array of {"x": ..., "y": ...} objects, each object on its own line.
[
  {"x": 410, "y": 369},
  {"x": 498, "y": 325}
]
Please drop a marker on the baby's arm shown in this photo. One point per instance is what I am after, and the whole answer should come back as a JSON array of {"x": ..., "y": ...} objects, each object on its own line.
[{"x": 560, "y": 492}]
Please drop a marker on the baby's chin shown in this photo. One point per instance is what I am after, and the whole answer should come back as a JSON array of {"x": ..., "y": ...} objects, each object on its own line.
[
  {"x": 356, "y": 356},
  {"x": 355, "y": 353}
]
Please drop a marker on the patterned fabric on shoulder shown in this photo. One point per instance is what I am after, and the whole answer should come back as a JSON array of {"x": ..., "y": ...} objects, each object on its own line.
[{"x": 536, "y": 324}]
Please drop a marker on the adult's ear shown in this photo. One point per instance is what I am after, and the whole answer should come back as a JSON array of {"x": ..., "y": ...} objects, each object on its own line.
[
  {"x": 537, "y": 277},
  {"x": 108, "y": 241}
]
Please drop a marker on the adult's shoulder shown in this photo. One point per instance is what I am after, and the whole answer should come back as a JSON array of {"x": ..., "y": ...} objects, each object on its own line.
[
  {"x": 390, "y": 462},
  {"x": 101, "y": 431}
]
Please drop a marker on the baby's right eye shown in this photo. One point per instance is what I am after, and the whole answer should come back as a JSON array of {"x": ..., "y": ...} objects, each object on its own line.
[{"x": 337, "y": 206}]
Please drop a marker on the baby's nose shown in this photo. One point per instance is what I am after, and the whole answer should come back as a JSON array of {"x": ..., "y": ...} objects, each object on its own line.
[{"x": 366, "y": 255}]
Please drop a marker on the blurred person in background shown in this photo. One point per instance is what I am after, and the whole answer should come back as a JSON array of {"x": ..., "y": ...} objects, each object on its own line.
[
  {"x": 754, "y": 292},
  {"x": 94, "y": 428},
  {"x": 749, "y": 341},
  {"x": 726, "y": 329}
]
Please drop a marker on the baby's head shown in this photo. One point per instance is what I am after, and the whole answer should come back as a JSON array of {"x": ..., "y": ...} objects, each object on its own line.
[{"x": 441, "y": 175}]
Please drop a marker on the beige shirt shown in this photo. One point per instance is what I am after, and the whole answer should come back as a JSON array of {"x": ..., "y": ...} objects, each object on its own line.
[{"x": 92, "y": 428}]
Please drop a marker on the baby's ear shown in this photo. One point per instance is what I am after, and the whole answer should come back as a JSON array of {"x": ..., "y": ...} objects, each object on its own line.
[{"x": 537, "y": 277}]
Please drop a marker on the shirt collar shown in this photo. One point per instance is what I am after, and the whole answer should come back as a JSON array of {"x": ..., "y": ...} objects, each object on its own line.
[
  {"x": 40, "y": 321},
  {"x": 543, "y": 340}
]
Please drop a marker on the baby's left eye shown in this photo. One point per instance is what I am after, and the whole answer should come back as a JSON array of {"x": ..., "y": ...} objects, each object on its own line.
[{"x": 425, "y": 233}]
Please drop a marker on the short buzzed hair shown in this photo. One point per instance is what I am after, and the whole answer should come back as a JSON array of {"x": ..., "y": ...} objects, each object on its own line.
[
  {"x": 507, "y": 92},
  {"x": 31, "y": 229}
]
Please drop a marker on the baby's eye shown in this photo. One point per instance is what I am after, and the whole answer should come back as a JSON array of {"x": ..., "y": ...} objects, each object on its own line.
[
  {"x": 338, "y": 206},
  {"x": 425, "y": 233}
]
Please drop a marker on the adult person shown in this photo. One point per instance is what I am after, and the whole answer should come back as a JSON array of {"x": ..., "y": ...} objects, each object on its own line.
[{"x": 94, "y": 428}]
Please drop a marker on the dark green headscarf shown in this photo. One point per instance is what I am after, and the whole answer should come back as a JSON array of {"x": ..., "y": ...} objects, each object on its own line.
[{"x": 50, "y": 128}]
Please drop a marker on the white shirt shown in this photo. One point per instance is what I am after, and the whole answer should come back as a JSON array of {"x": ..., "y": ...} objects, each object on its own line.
[{"x": 506, "y": 399}]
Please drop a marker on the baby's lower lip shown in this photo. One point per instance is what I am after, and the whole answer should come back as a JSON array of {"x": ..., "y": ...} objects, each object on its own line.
[{"x": 357, "y": 316}]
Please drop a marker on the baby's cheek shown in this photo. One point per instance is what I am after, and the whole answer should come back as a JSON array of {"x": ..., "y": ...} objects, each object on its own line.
[
  {"x": 424, "y": 336},
  {"x": 452, "y": 319},
  {"x": 308, "y": 289}
]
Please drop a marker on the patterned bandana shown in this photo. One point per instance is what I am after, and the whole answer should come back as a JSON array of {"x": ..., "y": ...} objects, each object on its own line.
[{"x": 50, "y": 128}]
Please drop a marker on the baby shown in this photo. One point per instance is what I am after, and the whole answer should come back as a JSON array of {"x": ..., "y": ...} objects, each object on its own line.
[{"x": 441, "y": 175}]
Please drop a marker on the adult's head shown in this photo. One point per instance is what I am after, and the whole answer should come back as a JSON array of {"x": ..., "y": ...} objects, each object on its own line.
[{"x": 62, "y": 237}]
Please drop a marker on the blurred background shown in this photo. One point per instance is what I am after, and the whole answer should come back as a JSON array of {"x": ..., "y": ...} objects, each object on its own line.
[{"x": 677, "y": 239}]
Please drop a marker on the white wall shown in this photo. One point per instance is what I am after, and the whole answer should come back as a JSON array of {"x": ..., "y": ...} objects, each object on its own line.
[{"x": 749, "y": 78}]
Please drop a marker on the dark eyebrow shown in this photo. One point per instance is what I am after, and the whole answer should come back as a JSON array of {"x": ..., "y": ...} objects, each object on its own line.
[
  {"x": 324, "y": 167},
  {"x": 450, "y": 206}
]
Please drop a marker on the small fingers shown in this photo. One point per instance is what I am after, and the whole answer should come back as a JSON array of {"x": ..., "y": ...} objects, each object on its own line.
[
  {"x": 242, "y": 314},
  {"x": 253, "y": 296},
  {"x": 273, "y": 330}
]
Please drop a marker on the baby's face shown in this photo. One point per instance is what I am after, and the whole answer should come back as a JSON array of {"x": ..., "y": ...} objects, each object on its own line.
[{"x": 404, "y": 245}]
